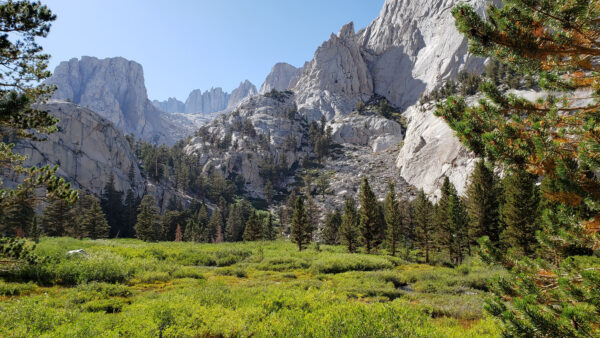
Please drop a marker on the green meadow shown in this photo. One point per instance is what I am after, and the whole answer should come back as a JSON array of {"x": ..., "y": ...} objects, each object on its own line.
[{"x": 136, "y": 289}]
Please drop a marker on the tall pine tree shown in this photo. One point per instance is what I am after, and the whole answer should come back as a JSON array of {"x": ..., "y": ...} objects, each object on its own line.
[
  {"x": 94, "y": 222},
  {"x": 393, "y": 220},
  {"x": 148, "y": 226},
  {"x": 424, "y": 223},
  {"x": 349, "y": 234},
  {"x": 301, "y": 228},
  {"x": 483, "y": 201},
  {"x": 370, "y": 226},
  {"x": 331, "y": 229}
]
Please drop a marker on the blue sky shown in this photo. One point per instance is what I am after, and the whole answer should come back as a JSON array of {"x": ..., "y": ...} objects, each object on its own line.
[{"x": 190, "y": 44}]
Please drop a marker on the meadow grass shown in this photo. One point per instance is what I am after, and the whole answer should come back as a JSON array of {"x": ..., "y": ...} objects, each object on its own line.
[{"x": 135, "y": 289}]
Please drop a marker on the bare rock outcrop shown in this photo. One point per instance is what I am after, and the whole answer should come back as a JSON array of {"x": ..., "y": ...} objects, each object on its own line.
[{"x": 283, "y": 76}]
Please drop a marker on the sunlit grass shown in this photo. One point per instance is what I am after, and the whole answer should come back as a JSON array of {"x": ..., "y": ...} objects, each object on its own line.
[{"x": 131, "y": 288}]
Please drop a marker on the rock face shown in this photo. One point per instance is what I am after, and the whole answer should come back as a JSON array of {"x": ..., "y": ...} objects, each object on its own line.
[
  {"x": 209, "y": 102},
  {"x": 245, "y": 89},
  {"x": 172, "y": 105},
  {"x": 283, "y": 76},
  {"x": 336, "y": 78},
  {"x": 373, "y": 131},
  {"x": 431, "y": 151},
  {"x": 115, "y": 89},
  {"x": 88, "y": 148}
]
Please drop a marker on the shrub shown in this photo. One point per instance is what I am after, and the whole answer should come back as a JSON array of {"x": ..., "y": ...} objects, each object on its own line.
[
  {"x": 16, "y": 289},
  {"x": 188, "y": 272},
  {"x": 337, "y": 263}
]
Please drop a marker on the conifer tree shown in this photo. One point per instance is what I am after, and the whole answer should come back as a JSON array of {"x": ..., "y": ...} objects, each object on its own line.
[
  {"x": 254, "y": 229},
  {"x": 393, "y": 220},
  {"x": 23, "y": 73},
  {"x": 34, "y": 232},
  {"x": 78, "y": 212},
  {"x": 56, "y": 217},
  {"x": 370, "y": 226},
  {"x": 444, "y": 231},
  {"x": 557, "y": 41},
  {"x": 349, "y": 233},
  {"x": 519, "y": 213},
  {"x": 130, "y": 214},
  {"x": 148, "y": 226},
  {"x": 235, "y": 224},
  {"x": 483, "y": 204},
  {"x": 94, "y": 222},
  {"x": 269, "y": 232},
  {"x": 112, "y": 205},
  {"x": 269, "y": 192},
  {"x": 301, "y": 228},
  {"x": 215, "y": 227},
  {"x": 18, "y": 214},
  {"x": 331, "y": 229},
  {"x": 459, "y": 223},
  {"x": 178, "y": 234},
  {"x": 424, "y": 223}
]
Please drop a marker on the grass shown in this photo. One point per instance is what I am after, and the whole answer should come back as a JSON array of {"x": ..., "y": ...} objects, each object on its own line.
[{"x": 131, "y": 288}]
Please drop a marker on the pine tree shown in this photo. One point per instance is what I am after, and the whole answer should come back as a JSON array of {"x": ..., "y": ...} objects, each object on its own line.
[
  {"x": 519, "y": 213},
  {"x": 370, "y": 226},
  {"x": 444, "y": 231},
  {"x": 556, "y": 294},
  {"x": 25, "y": 67},
  {"x": 148, "y": 226},
  {"x": 178, "y": 234},
  {"x": 482, "y": 204},
  {"x": 34, "y": 231},
  {"x": 215, "y": 227},
  {"x": 130, "y": 214},
  {"x": 349, "y": 232},
  {"x": 313, "y": 213},
  {"x": 235, "y": 224},
  {"x": 78, "y": 212},
  {"x": 56, "y": 217},
  {"x": 254, "y": 229},
  {"x": 18, "y": 214},
  {"x": 459, "y": 223},
  {"x": 269, "y": 232},
  {"x": 301, "y": 228},
  {"x": 331, "y": 230},
  {"x": 94, "y": 222},
  {"x": 112, "y": 205},
  {"x": 393, "y": 220},
  {"x": 424, "y": 223}
]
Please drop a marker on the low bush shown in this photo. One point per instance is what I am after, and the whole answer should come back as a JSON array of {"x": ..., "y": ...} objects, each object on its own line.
[
  {"x": 16, "y": 289},
  {"x": 337, "y": 263}
]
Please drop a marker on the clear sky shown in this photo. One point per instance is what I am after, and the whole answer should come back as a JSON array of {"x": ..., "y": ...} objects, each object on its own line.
[{"x": 199, "y": 44}]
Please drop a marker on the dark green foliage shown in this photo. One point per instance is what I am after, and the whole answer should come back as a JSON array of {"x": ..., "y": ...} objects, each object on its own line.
[
  {"x": 94, "y": 222},
  {"x": 519, "y": 212},
  {"x": 555, "y": 43},
  {"x": 393, "y": 220},
  {"x": 23, "y": 72},
  {"x": 57, "y": 217},
  {"x": 483, "y": 201},
  {"x": 269, "y": 231},
  {"x": 301, "y": 230},
  {"x": 331, "y": 229},
  {"x": 235, "y": 223},
  {"x": 254, "y": 228},
  {"x": 424, "y": 224},
  {"x": 196, "y": 229},
  {"x": 215, "y": 227},
  {"x": 148, "y": 227},
  {"x": 18, "y": 215},
  {"x": 349, "y": 233},
  {"x": 129, "y": 214},
  {"x": 371, "y": 225},
  {"x": 452, "y": 223},
  {"x": 112, "y": 205}
]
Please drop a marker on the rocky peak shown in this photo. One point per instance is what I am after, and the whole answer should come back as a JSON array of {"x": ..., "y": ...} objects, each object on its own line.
[
  {"x": 244, "y": 90},
  {"x": 283, "y": 76},
  {"x": 208, "y": 102},
  {"x": 172, "y": 105},
  {"x": 115, "y": 89}
]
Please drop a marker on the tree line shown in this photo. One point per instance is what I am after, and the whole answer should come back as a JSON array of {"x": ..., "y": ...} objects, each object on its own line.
[{"x": 507, "y": 211}]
